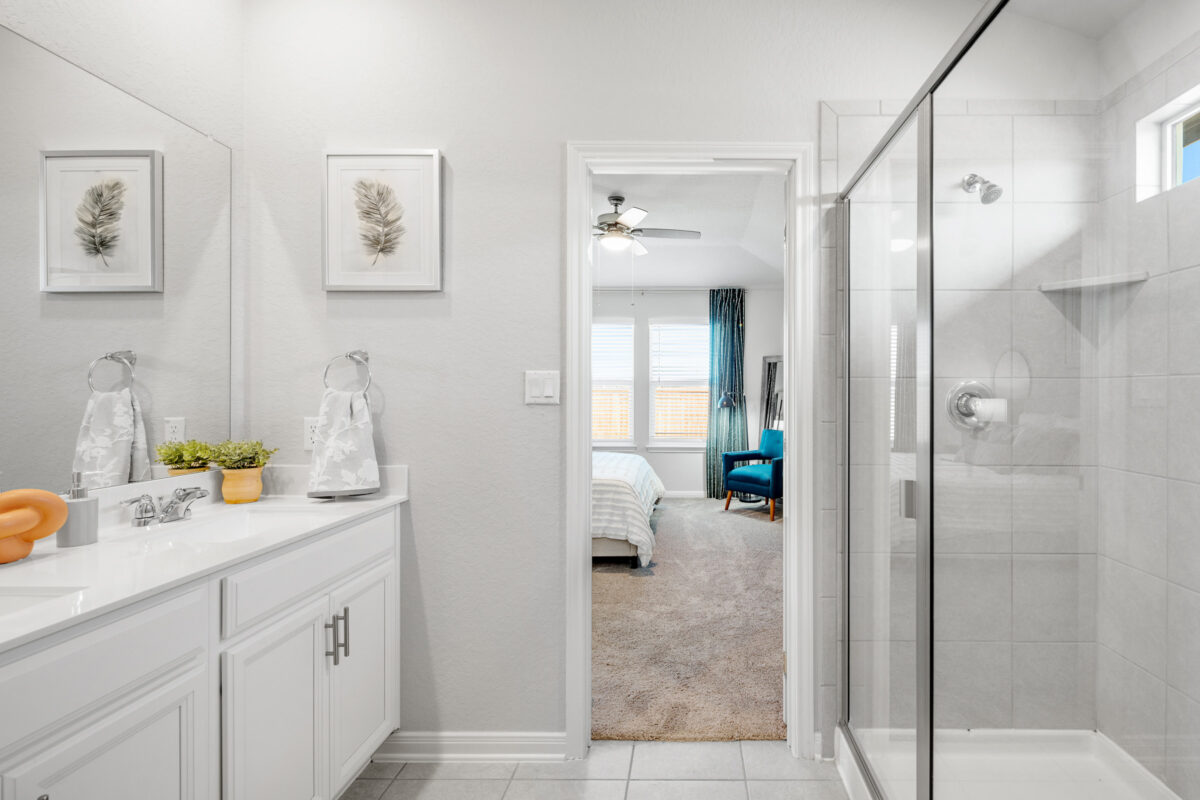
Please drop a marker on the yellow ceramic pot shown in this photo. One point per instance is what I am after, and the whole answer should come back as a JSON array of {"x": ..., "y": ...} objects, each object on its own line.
[
  {"x": 181, "y": 471},
  {"x": 242, "y": 485}
]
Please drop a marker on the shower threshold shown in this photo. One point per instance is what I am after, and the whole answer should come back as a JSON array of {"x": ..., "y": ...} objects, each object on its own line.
[{"x": 1003, "y": 764}]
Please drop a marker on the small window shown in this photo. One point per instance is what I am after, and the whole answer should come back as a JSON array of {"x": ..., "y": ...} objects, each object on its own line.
[
  {"x": 679, "y": 364},
  {"x": 612, "y": 382},
  {"x": 1181, "y": 157}
]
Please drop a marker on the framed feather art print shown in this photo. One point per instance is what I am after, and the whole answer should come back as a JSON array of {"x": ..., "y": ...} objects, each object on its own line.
[
  {"x": 101, "y": 221},
  {"x": 383, "y": 221}
]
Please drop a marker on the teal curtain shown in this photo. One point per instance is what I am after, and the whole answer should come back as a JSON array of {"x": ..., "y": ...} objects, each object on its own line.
[{"x": 727, "y": 347}]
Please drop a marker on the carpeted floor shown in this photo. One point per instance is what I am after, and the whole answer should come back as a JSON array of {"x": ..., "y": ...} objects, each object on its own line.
[{"x": 691, "y": 647}]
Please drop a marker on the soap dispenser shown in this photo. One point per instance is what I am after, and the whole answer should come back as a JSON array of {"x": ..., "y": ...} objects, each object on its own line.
[{"x": 83, "y": 516}]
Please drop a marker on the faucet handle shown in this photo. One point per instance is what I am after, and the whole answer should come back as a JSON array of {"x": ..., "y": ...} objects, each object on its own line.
[
  {"x": 130, "y": 501},
  {"x": 144, "y": 510},
  {"x": 190, "y": 493}
]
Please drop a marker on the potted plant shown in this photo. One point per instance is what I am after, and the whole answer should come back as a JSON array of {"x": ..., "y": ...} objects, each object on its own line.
[
  {"x": 242, "y": 463},
  {"x": 183, "y": 458}
]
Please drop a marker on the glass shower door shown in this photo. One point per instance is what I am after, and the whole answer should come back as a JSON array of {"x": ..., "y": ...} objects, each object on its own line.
[{"x": 882, "y": 469}]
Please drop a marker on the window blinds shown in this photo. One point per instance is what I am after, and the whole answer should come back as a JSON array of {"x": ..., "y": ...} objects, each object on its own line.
[
  {"x": 679, "y": 365},
  {"x": 612, "y": 381}
]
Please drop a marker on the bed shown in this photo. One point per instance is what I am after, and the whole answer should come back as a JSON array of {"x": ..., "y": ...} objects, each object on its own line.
[{"x": 625, "y": 490}]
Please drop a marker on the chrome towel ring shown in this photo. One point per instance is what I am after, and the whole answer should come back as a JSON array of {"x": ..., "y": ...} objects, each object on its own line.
[
  {"x": 126, "y": 358},
  {"x": 357, "y": 356}
]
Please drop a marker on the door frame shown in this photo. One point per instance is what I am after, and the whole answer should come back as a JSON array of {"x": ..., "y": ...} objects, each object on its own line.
[{"x": 796, "y": 161}]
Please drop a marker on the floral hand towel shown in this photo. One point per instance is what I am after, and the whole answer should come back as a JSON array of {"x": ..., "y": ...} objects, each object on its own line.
[
  {"x": 343, "y": 462},
  {"x": 111, "y": 448}
]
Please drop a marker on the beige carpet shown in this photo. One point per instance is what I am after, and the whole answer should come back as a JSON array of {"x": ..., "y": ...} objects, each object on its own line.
[{"x": 691, "y": 647}]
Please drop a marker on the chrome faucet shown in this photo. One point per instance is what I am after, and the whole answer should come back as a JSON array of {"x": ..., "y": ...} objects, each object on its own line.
[{"x": 179, "y": 506}]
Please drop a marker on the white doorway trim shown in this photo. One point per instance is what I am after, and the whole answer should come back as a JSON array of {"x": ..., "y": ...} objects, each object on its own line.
[{"x": 796, "y": 162}]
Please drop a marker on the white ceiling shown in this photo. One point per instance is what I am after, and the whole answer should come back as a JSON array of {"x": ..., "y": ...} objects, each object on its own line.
[
  {"x": 1090, "y": 18},
  {"x": 740, "y": 218}
]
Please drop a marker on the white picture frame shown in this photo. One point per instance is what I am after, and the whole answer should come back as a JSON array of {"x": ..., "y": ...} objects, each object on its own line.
[
  {"x": 101, "y": 220},
  {"x": 383, "y": 221}
]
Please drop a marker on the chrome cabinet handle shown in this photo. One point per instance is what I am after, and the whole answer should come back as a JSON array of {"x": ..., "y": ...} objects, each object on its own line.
[
  {"x": 346, "y": 631},
  {"x": 335, "y": 652},
  {"x": 44, "y": 797}
]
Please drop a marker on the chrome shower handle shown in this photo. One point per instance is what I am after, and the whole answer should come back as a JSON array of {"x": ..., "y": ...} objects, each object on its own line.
[{"x": 972, "y": 406}]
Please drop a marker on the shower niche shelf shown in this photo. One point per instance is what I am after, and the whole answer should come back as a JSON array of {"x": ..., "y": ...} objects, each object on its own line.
[{"x": 1098, "y": 282}]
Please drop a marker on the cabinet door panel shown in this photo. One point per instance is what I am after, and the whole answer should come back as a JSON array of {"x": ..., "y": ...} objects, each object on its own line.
[
  {"x": 148, "y": 750},
  {"x": 363, "y": 684},
  {"x": 84, "y": 672},
  {"x": 274, "y": 716}
]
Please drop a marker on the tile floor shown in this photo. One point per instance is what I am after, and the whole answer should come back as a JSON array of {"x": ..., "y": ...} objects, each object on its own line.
[{"x": 615, "y": 771}]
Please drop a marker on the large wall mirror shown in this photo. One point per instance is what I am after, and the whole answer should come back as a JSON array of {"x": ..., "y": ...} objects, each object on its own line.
[{"x": 178, "y": 331}]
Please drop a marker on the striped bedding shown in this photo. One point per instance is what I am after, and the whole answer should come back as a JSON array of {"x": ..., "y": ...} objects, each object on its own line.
[{"x": 624, "y": 491}]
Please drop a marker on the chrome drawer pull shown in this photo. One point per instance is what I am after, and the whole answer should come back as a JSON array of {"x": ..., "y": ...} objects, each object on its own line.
[
  {"x": 335, "y": 652},
  {"x": 346, "y": 631}
]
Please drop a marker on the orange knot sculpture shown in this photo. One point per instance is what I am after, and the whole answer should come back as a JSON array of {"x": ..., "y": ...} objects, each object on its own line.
[{"x": 27, "y": 515}]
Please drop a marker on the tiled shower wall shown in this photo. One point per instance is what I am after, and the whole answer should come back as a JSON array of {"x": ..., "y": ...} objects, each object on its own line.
[
  {"x": 1015, "y": 570},
  {"x": 1068, "y": 574},
  {"x": 1148, "y": 363}
]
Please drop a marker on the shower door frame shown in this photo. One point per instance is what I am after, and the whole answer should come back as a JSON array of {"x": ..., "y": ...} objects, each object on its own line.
[{"x": 919, "y": 110}]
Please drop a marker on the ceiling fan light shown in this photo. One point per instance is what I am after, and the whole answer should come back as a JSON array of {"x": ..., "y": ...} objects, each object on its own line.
[{"x": 616, "y": 241}]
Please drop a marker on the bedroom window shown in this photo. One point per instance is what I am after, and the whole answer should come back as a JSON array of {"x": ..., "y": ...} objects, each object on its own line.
[
  {"x": 679, "y": 364},
  {"x": 612, "y": 382}
]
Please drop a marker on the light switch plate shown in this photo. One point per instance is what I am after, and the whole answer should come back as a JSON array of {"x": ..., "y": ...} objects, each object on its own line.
[
  {"x": 174, "y": 429},
  {"x": 542, "y": 387}
]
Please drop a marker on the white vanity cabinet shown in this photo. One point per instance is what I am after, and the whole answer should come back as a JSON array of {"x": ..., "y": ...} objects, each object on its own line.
[
  {"x": 119, "y": 712},
  {"x": 225, "y": 687},
  {"x": 310, "y": 679}
]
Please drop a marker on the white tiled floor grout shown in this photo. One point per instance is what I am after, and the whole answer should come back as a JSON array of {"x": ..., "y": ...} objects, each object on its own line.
[{"x": 474, "y": 775}]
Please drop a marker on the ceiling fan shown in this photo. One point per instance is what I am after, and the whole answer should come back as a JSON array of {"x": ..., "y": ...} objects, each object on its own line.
[{"x": 618, "y": 230}]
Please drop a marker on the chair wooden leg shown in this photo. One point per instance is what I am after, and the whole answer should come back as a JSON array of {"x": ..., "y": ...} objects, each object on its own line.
[
  {"x": 772, "y": 509},
  {"x": 728, "y": 497}
]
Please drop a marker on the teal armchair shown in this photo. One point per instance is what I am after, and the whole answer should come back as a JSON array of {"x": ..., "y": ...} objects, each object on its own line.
[{"x": 765, "y": 480}]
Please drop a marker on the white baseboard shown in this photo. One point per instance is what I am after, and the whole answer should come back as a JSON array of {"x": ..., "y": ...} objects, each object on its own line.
[
  {"x": 700, "y": 495},
  {"x": 473, "y": 746}
]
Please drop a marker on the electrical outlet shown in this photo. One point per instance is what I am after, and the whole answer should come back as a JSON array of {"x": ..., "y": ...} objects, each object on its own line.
[
  {"x": 174, "y": 429},
  {"x": 310, "y": 432}
]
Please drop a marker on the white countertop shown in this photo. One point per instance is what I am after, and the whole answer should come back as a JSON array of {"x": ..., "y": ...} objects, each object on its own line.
[{"x": 57, "y": 587}]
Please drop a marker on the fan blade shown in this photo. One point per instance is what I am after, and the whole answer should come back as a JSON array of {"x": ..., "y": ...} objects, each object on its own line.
[
  {"x": 639, "y": 249},
  {"x": 665, "y": 233},
  {"x": 630, "y": 217}
]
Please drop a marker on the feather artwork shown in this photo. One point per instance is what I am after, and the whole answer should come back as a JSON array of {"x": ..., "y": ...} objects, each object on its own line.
[
  {"x": 379, "y": 215},
  {"x": 99, "y": 218}
]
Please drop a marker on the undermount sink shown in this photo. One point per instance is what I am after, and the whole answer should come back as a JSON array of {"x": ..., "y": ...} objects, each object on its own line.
[
  {"x": 19, "y": 598},
  {"x": 237, "y": 525}
]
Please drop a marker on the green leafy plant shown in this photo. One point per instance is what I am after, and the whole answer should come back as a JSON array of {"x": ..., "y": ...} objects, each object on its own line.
[
  {"x": 191, "y": 454},
  {"x": 241, "y": 455}
]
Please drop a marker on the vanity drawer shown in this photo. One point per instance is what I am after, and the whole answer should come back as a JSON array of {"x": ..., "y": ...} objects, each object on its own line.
[
  {"x": 103, "y": 668},
  {"x": 257, "y": 593}
]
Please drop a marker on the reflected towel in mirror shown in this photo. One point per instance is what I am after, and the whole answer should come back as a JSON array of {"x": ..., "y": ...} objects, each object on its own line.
[
  {"x": 343, "y": 462},
  {"x": 111, "y": 448}
]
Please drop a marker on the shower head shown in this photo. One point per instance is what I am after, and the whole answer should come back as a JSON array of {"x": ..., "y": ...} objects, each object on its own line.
[{"x": 988, "y": 191}]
